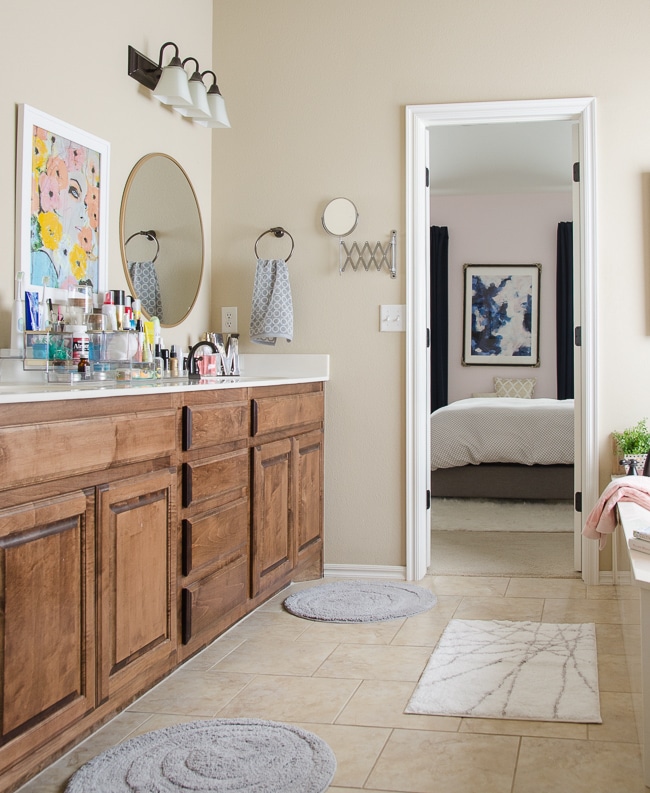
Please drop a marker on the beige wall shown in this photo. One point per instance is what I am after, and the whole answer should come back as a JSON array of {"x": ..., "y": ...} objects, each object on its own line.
[
  {"x": 316, "y": 93},
  {"x": 72, "y": 65}
]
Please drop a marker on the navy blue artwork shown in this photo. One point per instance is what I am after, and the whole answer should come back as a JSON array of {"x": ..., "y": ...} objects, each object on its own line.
[{"x": 502, "y": 308}]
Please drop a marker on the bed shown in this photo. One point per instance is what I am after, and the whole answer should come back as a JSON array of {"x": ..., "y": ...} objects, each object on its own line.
[{"x": 503, "y": 448}]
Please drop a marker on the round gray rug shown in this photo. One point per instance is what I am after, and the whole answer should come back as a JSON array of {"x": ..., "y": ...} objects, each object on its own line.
[
  {"x": 218, "y": 755},
  {"x": 360, "y": 601}
]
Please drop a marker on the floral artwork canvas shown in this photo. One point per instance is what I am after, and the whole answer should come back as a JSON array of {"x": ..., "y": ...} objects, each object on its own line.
[
  {"x": 501, "y": 325},
  {"x": 62, "y": 218}
]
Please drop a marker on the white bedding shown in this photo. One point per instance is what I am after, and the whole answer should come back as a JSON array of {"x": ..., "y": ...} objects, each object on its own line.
[{"x": 503, "y": 430}]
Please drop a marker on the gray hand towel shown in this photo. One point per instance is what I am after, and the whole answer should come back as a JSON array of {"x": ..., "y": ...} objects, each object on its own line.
[
  {"x": 272, "y": 311},
  {"x": 145, "y": 282}
]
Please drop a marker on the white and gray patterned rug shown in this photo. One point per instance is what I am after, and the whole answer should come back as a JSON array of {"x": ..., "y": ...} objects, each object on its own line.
[
  {"x": 218, "y": 755},
  {"x": 359, "y": 601},
  {"x": 492, "y": 669}
]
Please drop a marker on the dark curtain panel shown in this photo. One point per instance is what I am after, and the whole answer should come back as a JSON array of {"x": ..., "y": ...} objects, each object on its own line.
[
  {"x": 564, "y": 298},
  {"x": 439, "y": 307}
]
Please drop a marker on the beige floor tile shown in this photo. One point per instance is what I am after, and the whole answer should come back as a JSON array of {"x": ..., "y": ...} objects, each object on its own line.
[
  {"x": 212, "y": 654},
  {"x": 491, "y": 608},
  {"x": 437, "y": 762},
  {"x": 547, "y": 729},
  {"x": 619, "y": 721},
  {"x": 571, "y": 610},
  {"x": 158, "y": 721},
  {"x": 272, "y": 656},
  {"x": 356, "y": 750},
  {"x": 424, "y": 630},
  {"x": 465, "y": 586},
  {"x": 623, "y": 592},
  {"x": 381, "y": 703},
  {"x": 546, "y": 588},
  {"x": 610, "y": 638},
  {"x": 375, "y": 662},
  {"x": 283, "y": 698},
  {"x": 192, "y": 693},
  {"x": 613, "y": 674},
  {"x": 548, "y": 766},
  {"x": 360, "y": 633},
  {"x": 282, "y": 625}
]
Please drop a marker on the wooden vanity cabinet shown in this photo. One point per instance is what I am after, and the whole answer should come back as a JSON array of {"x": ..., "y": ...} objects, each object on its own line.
[
  {"x": 287, "y": 519},
  {"x": 88, "y": 573},
  {"x": 215, "y": 516}
]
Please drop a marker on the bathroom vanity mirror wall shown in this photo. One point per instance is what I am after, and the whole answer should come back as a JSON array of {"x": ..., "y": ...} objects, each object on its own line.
[
  {"x": 340, "y": 217},
  {"x": 161, "y": 238}
]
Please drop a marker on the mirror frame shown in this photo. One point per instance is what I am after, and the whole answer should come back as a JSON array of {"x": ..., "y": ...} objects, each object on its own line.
[
  {"x": 125, "y": 195},
  {"x": 331, "y": 205}
]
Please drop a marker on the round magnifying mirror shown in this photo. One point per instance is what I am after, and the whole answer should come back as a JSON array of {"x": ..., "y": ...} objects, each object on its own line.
[
  {"x": 340, "y": 217},
  {"x": 164, "y": 270}
]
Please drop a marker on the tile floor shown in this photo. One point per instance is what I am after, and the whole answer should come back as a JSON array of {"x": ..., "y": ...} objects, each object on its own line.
[{"x": 350, "y": 683}]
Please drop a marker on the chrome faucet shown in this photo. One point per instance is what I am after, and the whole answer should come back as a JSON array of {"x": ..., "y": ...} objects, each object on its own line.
[{"x": 192, "y": 369}]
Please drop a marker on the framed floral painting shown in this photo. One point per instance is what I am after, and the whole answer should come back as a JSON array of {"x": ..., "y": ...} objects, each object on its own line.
[
  {"x": 501, "y": 314},
  {"x": 62, "y": 204}
]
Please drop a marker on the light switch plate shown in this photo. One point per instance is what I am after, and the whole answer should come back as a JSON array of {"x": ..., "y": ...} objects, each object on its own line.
[{"x": 391, "y": 318}]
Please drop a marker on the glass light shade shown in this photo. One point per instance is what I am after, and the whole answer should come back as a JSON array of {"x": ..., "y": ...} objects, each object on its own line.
[
  {"x": 218, "y": 114},
  {"x": 199, "y": 107},
  {"x": 172, "y": 87}
]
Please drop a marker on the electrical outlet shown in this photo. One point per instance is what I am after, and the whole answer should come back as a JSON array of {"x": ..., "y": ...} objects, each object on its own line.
[
  {"x": 391, "y": 318},
  {"x": 229, "y": 319}
]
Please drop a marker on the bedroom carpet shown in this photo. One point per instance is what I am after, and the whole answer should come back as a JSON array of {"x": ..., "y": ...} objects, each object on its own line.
[
  {"x": 501, "y": 553},
  {"x": 478, "y": 514},
  {"x": 492, "y": 669}
]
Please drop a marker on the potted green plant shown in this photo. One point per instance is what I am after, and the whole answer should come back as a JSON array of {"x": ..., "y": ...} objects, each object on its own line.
[{"x": 633, "y": 443}]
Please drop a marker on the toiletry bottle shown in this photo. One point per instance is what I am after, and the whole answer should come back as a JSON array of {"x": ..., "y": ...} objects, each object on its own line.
[
  {"x": 173, "y": 362},
  {"x": 18, "y": 318}
]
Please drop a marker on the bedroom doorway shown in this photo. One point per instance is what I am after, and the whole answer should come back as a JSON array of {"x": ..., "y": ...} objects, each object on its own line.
[{"x": 420, "y": 121}]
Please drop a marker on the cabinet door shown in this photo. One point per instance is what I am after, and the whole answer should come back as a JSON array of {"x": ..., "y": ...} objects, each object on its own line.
[
  {"x": 137, "y": 589},
  {"x": 272, "y": 524},
  {"x": 47, "y": 624},
  {"x": 308, "y": 506}
]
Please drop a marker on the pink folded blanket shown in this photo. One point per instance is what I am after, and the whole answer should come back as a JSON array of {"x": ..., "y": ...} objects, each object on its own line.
[{"x": 602, "y": 518}]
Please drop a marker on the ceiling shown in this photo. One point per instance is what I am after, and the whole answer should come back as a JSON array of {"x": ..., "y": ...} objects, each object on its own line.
[{"x": 501, "y": 158}]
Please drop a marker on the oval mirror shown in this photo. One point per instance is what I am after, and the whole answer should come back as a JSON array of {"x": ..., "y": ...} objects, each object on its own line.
[
  {"x": 340, "y": 217},
  {"x": 161, "y": 238}
]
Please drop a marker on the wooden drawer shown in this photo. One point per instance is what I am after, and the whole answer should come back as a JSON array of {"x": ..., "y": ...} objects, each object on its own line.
[
  {"x": 207, "y": 601},
  {"x": 52, "y": 450},
  {"x": 224, "y": 477},
  {"x": 213, "y": 536},
  {"x": 212, "y": 425},
  {"x": 271, "y": 414}
]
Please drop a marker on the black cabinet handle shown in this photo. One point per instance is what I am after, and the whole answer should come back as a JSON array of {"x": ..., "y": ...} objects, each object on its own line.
[
  {"x": 187, "y": 547},
  {"x": 187, "y": 428},
  {"x": 254, "y": 417},
  {"x": 187, "y": 484},
  {"x": 186, "y": 607}
]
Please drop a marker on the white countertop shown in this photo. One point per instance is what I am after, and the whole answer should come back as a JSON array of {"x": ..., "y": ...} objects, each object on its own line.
[
  {"x": 632, "y": 516},
  {"x": 257, "y": 370}
]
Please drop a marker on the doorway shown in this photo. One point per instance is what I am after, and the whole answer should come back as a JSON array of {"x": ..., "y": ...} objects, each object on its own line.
[{"x": 419, "y": 120}]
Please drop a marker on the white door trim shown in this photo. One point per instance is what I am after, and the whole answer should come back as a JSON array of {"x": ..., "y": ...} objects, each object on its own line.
[{"x": 419, "y": 118}]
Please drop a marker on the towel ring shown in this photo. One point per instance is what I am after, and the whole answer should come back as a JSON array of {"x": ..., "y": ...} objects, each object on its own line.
[
  {"x": 151, "y": 236},
  {"x": 279, "y": 232}
]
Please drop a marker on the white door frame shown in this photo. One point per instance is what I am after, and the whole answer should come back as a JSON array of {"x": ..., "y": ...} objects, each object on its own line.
[{"x": 419, "y": 118}]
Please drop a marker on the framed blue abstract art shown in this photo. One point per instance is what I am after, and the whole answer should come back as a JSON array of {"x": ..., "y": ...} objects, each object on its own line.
[{"x": 501, "y": 314}]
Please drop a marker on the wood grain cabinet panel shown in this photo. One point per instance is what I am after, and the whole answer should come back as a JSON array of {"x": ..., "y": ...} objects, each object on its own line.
[
  {"x": 308, "y": 453},
  {"x": 213, "y": 536},
  {"x": 66, "y": 448},
  {"x": 137, "y": 574},
  {"x": 205, "y": 426},
  {"x": 272, "y": 521},
  {"x": 47, "y": 600},
  {"x": 271, "y": 414},
  {"x": 222, "y": 478}
]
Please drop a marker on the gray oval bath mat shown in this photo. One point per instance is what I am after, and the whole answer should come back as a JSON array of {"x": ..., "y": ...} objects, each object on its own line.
[
  {"x": 359, "y": 601},
  {"x": 212, "y": 756}
]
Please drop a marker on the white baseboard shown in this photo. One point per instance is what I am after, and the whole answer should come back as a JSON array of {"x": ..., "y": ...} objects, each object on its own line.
[
  {"x": 606, "y": 577},
  {"x": 364, "y": 571}
]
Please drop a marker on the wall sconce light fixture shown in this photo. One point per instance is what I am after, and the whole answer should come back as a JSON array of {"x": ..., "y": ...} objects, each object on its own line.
[{"x": 170, "y": 85}]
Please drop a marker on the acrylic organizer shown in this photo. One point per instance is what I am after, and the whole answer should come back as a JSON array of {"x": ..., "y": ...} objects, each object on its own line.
[{"x": 74, "y": 357}]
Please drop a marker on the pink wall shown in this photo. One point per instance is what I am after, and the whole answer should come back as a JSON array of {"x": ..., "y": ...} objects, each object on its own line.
[{"x": 501, "y": 229}]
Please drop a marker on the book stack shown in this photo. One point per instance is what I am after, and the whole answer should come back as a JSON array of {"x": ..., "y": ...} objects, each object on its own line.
[{"x": 640, "y": 540}]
